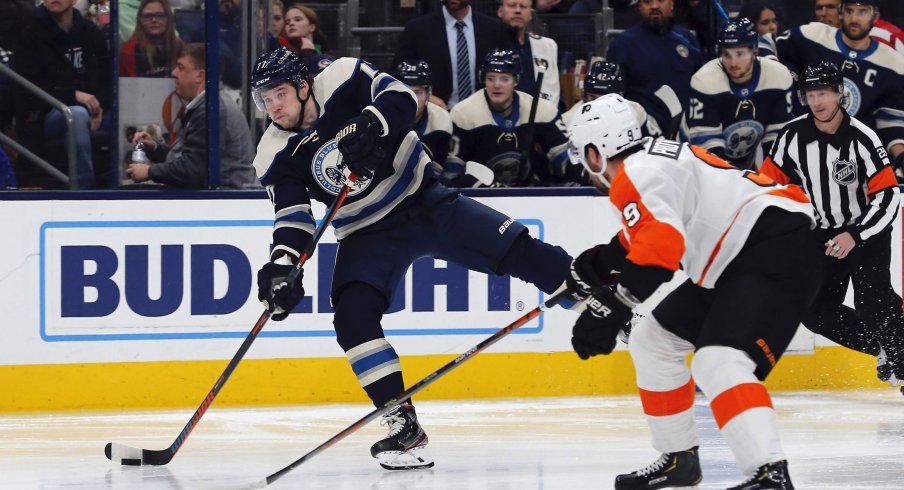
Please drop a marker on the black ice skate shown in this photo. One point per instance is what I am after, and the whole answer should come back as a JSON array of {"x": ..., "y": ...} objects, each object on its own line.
[
  {"x": 681, "y": 469},
  {"x": 886, "y": 370},
  {"x": 772, "y": 476},
  {"x": 404, "y": 448}
]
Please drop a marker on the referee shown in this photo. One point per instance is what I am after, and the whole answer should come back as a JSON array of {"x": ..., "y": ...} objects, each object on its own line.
[{"x": 845, "y": 171}]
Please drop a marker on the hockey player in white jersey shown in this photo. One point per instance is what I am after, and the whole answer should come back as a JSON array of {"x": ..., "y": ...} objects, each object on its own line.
[
  {"x": 432, "y": 123},
  {"x": 739, "y": 102},
  {"x": 744, "y": 243}
]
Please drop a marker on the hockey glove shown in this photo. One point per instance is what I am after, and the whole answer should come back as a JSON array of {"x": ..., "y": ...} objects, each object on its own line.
[
  {"x": 357, "y": 142},
  {"x": 598, "y": 326},
  {"x": 278, "y": 296},
  {"x": 583, "y": 277}
]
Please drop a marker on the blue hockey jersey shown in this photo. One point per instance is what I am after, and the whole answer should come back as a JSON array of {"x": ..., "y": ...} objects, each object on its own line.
[
  {"x": 296, "y": 166},
  {"x": 732, "y": 120},
  {"x": 874, "y": 90}
]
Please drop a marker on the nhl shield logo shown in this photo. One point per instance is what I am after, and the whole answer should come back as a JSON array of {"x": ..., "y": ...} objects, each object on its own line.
[
  {"x": 330, "y": 171},
  {"x": 844, "y": 172}
]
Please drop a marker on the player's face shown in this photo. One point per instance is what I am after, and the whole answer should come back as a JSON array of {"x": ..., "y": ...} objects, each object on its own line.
[
  {"x": 515, "y": 13},
  {"x": 595, "y": 163},
  {"x": 422, "y": 93},
  {"x": 189, "y": 78},
  {"x": 282, "y": 105},
  {"x": 823, "y": 102},
  {"x": 657, "y": 13},
  {"x": 828, "y": 12},
  {"x": 500, "y": 87},
  {"x": 738, "y": 62},
  {"x": 857, "y": 21},
  {"x": 153, "y": 19},
  {"x": 767, "y": 23}
]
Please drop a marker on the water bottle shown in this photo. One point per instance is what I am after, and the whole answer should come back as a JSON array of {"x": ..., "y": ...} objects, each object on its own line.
[{"x": 138, "y": 154}]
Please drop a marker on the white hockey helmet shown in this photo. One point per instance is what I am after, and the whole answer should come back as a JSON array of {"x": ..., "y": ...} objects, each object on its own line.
[{"x": 609, "y": 124}]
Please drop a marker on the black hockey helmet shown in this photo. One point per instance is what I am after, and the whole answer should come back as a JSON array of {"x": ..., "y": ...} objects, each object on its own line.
[
  {"x": 739, "y": 33},
  {"x": 275, "y": 68},
  {"x": 414, "y": 72},
  {"x": 501, "y": 61},
  {"x": 869, "y": 3},
  {"x": 824, "y": 74},
  {"x": 604, "y": 78}
]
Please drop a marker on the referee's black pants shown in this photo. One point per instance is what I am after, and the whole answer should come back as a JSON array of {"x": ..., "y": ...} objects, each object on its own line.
[{"x": 877, "y": 319}]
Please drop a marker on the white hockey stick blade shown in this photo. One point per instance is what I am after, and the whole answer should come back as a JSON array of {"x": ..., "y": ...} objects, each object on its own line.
[{"x": 133, "y": 456}]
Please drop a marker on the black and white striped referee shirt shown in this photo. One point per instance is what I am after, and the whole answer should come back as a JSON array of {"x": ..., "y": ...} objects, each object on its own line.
[{"x": 847, "y": 175}]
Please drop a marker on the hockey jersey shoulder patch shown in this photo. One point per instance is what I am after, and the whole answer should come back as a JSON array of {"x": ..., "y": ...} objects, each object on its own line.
[
  {"x": 710, "y": 79},
  {"x": 661, "y": 147},
  {"x": 472, "y": 112},
  {"x": 272, "y": 142},
  {"x": 774, "y": 75}
]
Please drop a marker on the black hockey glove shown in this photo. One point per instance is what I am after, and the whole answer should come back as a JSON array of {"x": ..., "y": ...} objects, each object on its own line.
[
  {"x": 584, "y": 276},
  {"x": 357, "y": 142},
  {"x": 598, "y": 326},
  {"x": 278, "y": 296}
]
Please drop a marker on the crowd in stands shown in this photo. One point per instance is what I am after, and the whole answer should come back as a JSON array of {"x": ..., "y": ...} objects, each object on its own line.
[{"x": 495, "y": 97}]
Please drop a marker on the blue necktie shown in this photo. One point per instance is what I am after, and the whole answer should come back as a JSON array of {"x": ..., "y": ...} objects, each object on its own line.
[{"x": 464, "y": 65}]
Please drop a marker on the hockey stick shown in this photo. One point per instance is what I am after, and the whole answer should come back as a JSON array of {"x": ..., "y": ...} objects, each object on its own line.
[
  {"x": 529, "y": 137},
  {"x": 128, "y": 455},
  {"x": 420, "y": 385},
  {"x": 721, "y": 10}
]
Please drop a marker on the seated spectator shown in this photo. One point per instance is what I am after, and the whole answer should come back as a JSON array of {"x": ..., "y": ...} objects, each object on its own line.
[
  {"x": 154, "y": 46},
  {"x": 277, "y": 22},
  {"x": 432, "y": 123},
  {"x": 534, "y": 50},
  {"x": 491, "y": 132},
  {"x": 302, "y": 32},
  {"x": 184, "y": 163},
  {"x": 66, "y": 56},
  {"x": 763, "y": 15},
  {"x": 654, "y": 55}
]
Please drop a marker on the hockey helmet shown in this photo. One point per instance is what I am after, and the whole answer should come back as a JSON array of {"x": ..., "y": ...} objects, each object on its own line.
[
  {"x": 738, "y": 34},
  {"x": 414, "y": 72},
  {"x": 824, "y": 74},
  {"x": 604, "y": 78},
  {"x": 501, "y": 61},
  {"x": 273, "y": 69},
  {"x": 609, "y": 124}
]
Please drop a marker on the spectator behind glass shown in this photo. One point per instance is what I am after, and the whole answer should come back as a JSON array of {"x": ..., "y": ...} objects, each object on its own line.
[
  {"x": 184, "y": 163},
  {"x": 828, "y": 12},
  {"x": 277, "y": 18},
  {"x": 763, "y": 16},
  {"x": 66, "y": 56},
  {"x": 302, "y": 31},
  {"x": 658, "y": 59},
  {"x": 230, "y": 43},
  {"x": 269, "y": 26},
  {"x": 154, "y": 46}
]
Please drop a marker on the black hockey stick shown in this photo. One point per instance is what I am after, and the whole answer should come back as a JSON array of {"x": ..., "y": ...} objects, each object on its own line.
[
  {"x": 128, "y": 455},
  {"x": 420, "y": 385},
  {"x": 528, "y": 147}
]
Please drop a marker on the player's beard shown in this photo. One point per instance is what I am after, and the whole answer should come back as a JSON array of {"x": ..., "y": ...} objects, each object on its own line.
[{"x": 864, "y": 32}]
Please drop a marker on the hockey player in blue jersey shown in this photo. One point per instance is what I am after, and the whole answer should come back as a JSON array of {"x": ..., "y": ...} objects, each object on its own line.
[
  {"x": 491, "y": 128},
  {"x": 738, "y": 101},
  {"x": 432, "y": 123},
  {"x": 606, "y": 78},
  {"x": 873, "y": 72},
  {"x": 353, "y": 118}
]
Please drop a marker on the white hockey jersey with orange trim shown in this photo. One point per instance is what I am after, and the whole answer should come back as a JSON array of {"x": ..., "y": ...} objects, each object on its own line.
[{"x": 681, "y": 206}]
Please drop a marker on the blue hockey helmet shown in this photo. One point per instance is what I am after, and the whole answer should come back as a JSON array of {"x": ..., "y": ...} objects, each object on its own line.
[
  {"x": 414, "y": 72},
  {"x": 738, "y": 34},
  {"x": 273, "y": 69},
  {"x": 501, "y": 61},
  {"x": 604, "y": 78}
]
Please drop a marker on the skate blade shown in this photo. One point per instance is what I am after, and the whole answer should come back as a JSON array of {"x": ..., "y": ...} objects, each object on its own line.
[{"x": 413, "y": 459}]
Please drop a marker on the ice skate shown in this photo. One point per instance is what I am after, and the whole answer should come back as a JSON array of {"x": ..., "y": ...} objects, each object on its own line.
[
  {"x": 772, "y": 476},
  {"x": 680, "y": 469},
  {"x": 404, "y": 448}
]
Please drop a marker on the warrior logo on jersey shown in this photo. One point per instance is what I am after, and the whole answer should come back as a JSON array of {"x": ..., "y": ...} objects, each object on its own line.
[
  {"x": 851, "y": 100},
  {"x": 742, "y": 137},
  {"x": 329, "y": 170},
  {"x": 844, "y": 172}
]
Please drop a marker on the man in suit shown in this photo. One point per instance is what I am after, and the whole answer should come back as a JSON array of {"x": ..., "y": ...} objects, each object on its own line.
[{"x": 466, "y": 38}]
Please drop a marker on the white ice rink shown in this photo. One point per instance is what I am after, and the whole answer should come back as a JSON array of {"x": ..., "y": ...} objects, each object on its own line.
[{"x": 834, "y": 440}]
